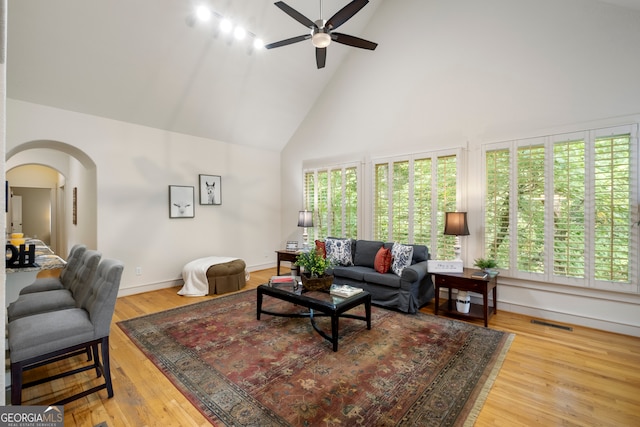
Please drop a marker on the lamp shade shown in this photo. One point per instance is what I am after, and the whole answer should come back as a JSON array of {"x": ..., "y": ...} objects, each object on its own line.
[
  {"x": 455, "y": 224},
  {"x": 321, "y": 39},
  {"x": 305, "y": 219}
]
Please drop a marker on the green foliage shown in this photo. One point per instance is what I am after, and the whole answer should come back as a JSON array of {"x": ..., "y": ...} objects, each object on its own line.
[
  {"x": 313, "y": 262},
  {"x": 484, "y": 263},
  {"x": 332, "y": 195},
  {"x": 564, "y": 203}
]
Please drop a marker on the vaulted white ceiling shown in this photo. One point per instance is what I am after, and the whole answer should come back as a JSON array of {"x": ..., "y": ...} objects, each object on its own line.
[{"x": 147, "y": 62}]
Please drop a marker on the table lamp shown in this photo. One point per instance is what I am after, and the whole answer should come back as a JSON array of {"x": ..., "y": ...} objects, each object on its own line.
[
  {"x": 455, "y": 224},
  {"x": 305, "y": 220}
]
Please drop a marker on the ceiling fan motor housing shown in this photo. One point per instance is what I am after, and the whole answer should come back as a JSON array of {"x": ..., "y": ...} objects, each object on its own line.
[{"x": 320, "y": 36}]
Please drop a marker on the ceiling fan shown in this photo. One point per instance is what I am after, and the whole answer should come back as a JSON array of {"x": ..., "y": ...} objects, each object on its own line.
[{"x": 322, "y": 32}]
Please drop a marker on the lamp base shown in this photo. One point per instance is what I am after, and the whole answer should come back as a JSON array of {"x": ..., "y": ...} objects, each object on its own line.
[{"x": 457, "y": 249}]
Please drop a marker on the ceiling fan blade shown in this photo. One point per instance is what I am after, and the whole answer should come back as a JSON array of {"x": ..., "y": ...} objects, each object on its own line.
[
  {"x": 287, "y": 41},
  {"x": 296, "y": 15},
  {"x": 344, "y": 14},
  {"x": 353, "y": 41},
  {"x": 321, "y": 56}
]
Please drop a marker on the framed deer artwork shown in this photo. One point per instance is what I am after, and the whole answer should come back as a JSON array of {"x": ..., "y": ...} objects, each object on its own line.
[
  {"x": 181, "y": 201},
  {"x": 210, "y": 190}
]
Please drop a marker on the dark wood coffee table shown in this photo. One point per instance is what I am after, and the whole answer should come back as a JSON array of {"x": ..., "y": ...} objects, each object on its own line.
[{"x": 323, "y": 302}]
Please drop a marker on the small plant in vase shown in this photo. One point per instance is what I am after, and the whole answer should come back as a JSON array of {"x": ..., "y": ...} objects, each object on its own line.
[
  {"x": 487, "y": 264},
  {"x": 314, "y": 267}
]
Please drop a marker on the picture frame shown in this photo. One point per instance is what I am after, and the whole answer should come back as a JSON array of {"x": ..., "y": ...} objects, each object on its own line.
[
  {"x": 292, "y": 245},
  {"x": 181, "y": 201},
  {"x": 210, "y": 189},
  {"x": 75, "y": 206}
]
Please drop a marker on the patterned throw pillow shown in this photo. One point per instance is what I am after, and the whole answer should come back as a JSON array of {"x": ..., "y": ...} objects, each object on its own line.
[
  {"x": 402, "y": 255},
  {"x": 320, "y": 247},
  {"x": 382, "y": 263},
  {"x": 339, "y": 251}
]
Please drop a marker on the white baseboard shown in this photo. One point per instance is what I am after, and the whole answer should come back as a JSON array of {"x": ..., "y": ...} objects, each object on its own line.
[
  {"x": 148, "y": 287},
  {"x": 572, "y": 319},
  {"x": 578, "y": 319}
]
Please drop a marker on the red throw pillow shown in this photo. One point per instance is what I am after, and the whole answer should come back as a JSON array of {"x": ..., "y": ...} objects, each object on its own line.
[
  {"x": 382, "y": 262},
  {"x": 321, "y": 247}
]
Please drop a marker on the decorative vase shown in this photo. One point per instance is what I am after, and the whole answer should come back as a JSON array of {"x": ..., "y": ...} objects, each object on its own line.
[
  {"x": 322, "y": 283},
  {"x": 492, "y": 272},
  {"x": 463, "y": 302}
]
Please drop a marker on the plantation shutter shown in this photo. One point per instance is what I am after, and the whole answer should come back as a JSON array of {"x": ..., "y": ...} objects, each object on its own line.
[
  {"x": 568, "y": 208},
  {"x": 447, "y": 196},
  {"x": 422, "y": 199},
  {"x": 497, "y": 206},
  {"x": 405, "y": 190},
  {"x": 612, "y": 188},
  {"x": 381, "y": 203},
  {"x": 530, "y": 209},
  {"x": 400, "y": 202},
  {"x": 332, "y": 195}
]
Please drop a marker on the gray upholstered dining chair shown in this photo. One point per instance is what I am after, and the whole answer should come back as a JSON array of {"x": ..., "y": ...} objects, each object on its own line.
[
  {"x": 49, "y": 337},
  {"x": 63, "y": 281},
  {"x": 59, "y": 299}
]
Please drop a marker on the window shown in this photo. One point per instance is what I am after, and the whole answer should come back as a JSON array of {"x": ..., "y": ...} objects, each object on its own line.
[
  {"x": 410, "y": 197},
  {"x": 332, "y": 195},
  {"x": 572, "y": 200}
]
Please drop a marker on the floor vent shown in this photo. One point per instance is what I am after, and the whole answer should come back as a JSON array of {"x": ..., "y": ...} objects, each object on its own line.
[{"x": 553, "y": 325}]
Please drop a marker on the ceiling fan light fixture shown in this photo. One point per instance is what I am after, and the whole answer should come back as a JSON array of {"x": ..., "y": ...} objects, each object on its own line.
[{"x": 321, "y": 39}]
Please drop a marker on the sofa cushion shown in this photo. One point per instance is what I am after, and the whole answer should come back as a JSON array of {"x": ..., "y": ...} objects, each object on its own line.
[
  {"x": 339, "y": 251},
  {"x": 402, "y": 256},
  {"x": 420, "y": 253},
  {"x": 388, "y": 279},
  {"x": 321, "y": 247},
  {"x": 366, "y": 251},
  {"x": 382, "y": 262},
  {"x": 353, "y": 272}
]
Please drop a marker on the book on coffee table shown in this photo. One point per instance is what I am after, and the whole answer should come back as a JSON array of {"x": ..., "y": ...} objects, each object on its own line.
[
  {"x": 283, "y": 280},
  {"x": 344, "y": 290}
]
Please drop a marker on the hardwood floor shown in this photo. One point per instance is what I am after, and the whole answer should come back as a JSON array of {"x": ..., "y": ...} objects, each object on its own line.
[{"x": 550, "y": 377}]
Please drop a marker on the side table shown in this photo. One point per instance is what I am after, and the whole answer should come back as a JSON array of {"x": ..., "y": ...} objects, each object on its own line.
[
  {"x": 464, "y": 282},
  {"x": 284, "y": 255}
]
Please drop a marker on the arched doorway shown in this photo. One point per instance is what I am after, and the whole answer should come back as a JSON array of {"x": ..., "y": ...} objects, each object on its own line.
[
  {"x": 34, "y": 195},
  {"x": 74, "y": 219}
]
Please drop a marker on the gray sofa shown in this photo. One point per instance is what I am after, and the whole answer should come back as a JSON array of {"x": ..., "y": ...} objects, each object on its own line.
[{"x": 407, "y": 293}]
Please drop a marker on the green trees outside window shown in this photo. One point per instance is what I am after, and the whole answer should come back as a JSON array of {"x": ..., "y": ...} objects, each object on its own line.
[
  {"x": 332, "y": 195},
  {"x": 560, "y": 207},
  {"x": 404, "y": 193}
]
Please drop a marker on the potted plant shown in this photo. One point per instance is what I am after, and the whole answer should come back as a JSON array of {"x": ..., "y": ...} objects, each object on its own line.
[
  {"x": 489, "y": 265},
  {"x": 314, "y": 267}
]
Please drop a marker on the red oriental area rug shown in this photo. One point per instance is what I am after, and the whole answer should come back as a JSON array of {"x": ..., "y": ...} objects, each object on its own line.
[{"x": 414, "y": 370}]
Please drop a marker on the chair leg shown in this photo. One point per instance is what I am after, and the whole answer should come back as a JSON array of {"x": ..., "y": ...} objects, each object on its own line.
[
  {"x": 94, "y": 349},
  {"x": 106, "y": 366},
  {"x": 16, "y": 383}
]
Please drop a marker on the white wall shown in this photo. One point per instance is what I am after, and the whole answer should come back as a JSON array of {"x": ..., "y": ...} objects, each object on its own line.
[
  {"x": 462, "y": 73},
  {"x": 134, "y": 165},
  {"x": 3, "y": 97}
]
